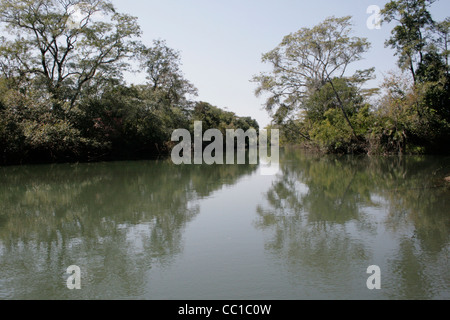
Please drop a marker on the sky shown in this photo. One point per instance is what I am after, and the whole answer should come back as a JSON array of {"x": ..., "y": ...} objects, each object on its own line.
[{"x": 221, "y": 41}]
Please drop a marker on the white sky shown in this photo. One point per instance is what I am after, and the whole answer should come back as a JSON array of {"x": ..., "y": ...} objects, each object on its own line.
[{"x": 221, "y": 41}]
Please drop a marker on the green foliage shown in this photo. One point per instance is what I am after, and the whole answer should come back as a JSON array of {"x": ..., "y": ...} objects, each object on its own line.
[
  {"x": 216, "y": 118},
  {"x": 409, "y": 36},
  {"x": 29, "y": 129},
  {"x": 329, "y": 128},
  {"x": 162, "y": 65},
  {"x": 311, "y": 98},
  {"x": 62, "y": 97},
  {"x": 315, "y": 104},
  {"x": 334, "y": 135},
  {"x": 407, "y": 118},
  {"x": 421, "y": 118},
  {"x": 64, "y": 47},
  {"x": 308, "y": 59},
  {"x": 323, "y": 99}
]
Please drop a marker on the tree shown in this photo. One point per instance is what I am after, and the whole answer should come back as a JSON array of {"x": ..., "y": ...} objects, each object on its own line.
[
  {"x": 308, "y": 59},
  {"x": 421, "y": 45},
  {"x": 398, "y": 121},
  {"x": 410, "y": 36},
  {"x": 162, "y": 65},
  {"x": 65, "y": 46},
  {"x": 328, "y": 126},
  {"x": 217, "y": 118},
  {"x": 324, "y": 99},
  {"x": 443, "y": 39}
]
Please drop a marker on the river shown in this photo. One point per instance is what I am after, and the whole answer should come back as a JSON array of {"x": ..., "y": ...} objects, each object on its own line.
[{"x": 154, "y": 230}]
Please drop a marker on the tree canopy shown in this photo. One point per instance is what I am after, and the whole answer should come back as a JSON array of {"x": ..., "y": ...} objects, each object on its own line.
[
  {"x": 314, "y": 100},
  {"x": 64, "y": 45},
  {"x": 62, "y": 91},
  {"x": 63, "y": 94}
]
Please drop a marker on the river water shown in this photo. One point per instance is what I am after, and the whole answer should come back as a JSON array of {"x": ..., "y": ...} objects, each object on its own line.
[{"x": 154, "y": 230}]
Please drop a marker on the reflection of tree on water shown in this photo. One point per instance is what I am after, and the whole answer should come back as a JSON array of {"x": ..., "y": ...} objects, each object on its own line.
[
  {"x": 306, "y": 212},
  {"x": 422, "y": 202},
  {"x": 114, "y": 220},
  {"x": 322, "y": 213}
]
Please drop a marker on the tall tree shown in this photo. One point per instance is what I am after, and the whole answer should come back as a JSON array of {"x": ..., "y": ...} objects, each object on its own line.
[
  {"x": 410, "y": 36},
  {"x": 308, "y": 59},
  {"x": 65, "y": 45},
  {"x": 421, "y": 44},
  {"x": 442, "y": 40},
  {"x": 164, "y": 75}
]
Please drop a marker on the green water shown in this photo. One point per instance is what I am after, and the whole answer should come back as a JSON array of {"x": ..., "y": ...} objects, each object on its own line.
[{"x": 153, "y": 230}]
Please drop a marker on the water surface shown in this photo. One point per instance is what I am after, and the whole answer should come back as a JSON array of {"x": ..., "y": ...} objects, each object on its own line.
[{"x": 153, "y": 230}]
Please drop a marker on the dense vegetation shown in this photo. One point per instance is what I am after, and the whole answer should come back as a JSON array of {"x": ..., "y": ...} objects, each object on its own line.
[
  {"x": 63, "y": 96},
  {"x": 315, "y": 102},
  {"x": 62, "y": 91}
]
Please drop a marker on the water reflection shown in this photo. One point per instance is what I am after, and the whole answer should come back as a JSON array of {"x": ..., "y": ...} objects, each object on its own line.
[
  {"x": 114, "y": 220},
  {"x": 150, "y": 229},
  {"x": 329, "y": 218}
]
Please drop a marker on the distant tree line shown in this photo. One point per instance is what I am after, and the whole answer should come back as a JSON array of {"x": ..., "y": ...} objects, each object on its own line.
[
  {"x": 63, "y": 96},
  {"x": 316, "y": 102}
]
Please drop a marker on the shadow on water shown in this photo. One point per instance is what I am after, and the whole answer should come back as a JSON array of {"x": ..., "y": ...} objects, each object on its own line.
[
  {"x": 114, "y": 220},
  {"x": 327, "y": 218}
]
